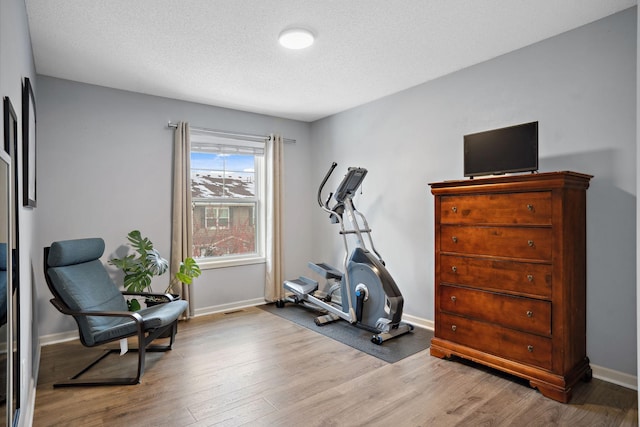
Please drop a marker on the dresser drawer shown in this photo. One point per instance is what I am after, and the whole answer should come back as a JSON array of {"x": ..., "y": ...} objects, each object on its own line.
[
  {"x": 532, "y": 208},
  {"x": 514, "y": 242},
  {"x": 494, "y": 339},
  {"x": 525, "y": 314},
  {"x": 518, "y": 277}
]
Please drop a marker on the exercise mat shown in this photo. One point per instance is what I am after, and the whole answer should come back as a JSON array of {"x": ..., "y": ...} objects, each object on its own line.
[{"x": 390, "y": 351}]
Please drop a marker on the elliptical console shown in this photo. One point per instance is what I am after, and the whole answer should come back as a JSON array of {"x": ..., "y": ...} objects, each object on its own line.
[{"x": 366, "y": 295}]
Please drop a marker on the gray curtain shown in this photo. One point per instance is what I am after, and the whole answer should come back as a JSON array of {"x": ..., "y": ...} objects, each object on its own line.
[
  {"x": 182, "y": 220},
  {"x": 274, "y": 269}
]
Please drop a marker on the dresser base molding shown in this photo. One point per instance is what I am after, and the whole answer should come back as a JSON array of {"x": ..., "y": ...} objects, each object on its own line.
[{"x": 556, "y": 387}]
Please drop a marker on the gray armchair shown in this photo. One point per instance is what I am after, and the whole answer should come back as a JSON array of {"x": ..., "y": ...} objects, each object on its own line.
[{"x": 83, "y": 289}]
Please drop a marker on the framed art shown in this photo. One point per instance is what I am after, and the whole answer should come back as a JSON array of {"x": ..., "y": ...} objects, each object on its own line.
[
  {"x": 10, "y": 125},
  {"x": 28, "y": 145}
]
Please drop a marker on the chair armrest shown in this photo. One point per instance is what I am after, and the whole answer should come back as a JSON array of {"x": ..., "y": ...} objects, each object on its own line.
[
  {"x": 66, "y": 310},
  {"x": 135, "y": 317}
]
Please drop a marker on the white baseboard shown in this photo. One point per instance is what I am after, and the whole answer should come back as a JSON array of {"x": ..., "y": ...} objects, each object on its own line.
[
  {"x": 73, "y": 335},
  {"x": 59, "y": 337},
  {"x": 615, "y": 377},
  {"x": 599, "y": 372},
  {"x": 222, "y": 308},
  {"x": 419, "y": 322}
]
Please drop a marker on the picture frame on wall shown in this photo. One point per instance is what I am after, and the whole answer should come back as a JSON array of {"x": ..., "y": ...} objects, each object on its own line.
[
  {"x": 28, "y": 145},
  {"x": 10, "y": 125}
]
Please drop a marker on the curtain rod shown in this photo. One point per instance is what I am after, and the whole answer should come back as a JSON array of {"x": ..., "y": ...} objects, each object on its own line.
[{"x": 231, "y": 134}]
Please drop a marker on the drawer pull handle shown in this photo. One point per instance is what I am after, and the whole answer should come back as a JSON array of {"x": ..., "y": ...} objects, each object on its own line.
[
  {"x": 454, "y": 269},
  {"x": 530, "y": 243},
  {"x": 530, "y": 348},
  {"x": 453, "y": 298},
  {"x": 530, "y": 207},
  {"x": 529, "y": 313},
  {"x": 530, "y": 277},
  {"x": 453, "y": 328},
  {"x": 454, "y": 209},
  {"x": 455, "y": 239}
]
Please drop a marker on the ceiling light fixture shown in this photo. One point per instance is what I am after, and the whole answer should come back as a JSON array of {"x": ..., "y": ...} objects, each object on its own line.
[{"x": 296, "y": 38}]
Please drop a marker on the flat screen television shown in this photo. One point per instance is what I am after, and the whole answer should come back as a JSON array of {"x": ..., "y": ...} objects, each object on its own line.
[{"x": 500, "y": 151}]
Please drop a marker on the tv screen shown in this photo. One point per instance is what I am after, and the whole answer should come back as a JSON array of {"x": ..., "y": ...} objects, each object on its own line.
[{"x": 499, "y": 151}]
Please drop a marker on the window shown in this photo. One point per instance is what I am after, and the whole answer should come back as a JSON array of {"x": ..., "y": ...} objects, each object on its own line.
[
  {"x": 226, "y": 192},
  {"x": 216, "y": 217}
]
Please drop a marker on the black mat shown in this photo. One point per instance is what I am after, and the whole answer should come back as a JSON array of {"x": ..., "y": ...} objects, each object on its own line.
[{"x": 390, "y": 351}]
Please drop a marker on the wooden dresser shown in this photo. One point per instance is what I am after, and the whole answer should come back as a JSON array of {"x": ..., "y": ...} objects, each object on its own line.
[{"x": 510, "y": 255}]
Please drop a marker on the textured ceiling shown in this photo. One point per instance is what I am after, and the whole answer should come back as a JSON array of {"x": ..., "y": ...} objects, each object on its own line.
[{"x": 225, "y": 52}]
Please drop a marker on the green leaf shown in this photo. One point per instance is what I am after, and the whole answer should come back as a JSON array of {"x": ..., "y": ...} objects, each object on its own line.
[
  {"x": 140, "y": 244},
  {"x": 133, "y": 305},
  {"x": 191, "y": 266},
  {"x": 189, "y": 269},
  {"x": 155, "y": 263},
  {"x": 187, "y": 280},
  {"x": 137, "y": 281},
  {"x": 125, "y": 264}
]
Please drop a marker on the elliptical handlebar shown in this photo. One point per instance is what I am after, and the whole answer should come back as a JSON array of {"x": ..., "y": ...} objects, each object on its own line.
[{"x": 325, "y": 205}]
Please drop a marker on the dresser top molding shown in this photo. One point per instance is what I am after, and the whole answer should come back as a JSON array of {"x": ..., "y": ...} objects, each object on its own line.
[{"x": 521, "y": 182}]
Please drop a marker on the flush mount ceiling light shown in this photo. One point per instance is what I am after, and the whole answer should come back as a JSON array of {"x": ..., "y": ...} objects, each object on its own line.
[{"x": 296, "y": 38}]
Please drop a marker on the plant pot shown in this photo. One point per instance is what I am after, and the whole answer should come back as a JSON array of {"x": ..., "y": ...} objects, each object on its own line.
[{"x": 151, "y": 301}]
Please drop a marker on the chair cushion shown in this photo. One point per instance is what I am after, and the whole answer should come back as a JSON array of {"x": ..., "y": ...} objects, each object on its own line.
[
  {"x": 68, "y": 252},
  {"x": 83, "y": 284},
  {"x": 154, "y": 317},
  {"x": 87, "y": 286}
]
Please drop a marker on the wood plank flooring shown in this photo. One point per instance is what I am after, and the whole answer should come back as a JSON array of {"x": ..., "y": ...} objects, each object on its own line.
[{"x": 253, "y": 368}]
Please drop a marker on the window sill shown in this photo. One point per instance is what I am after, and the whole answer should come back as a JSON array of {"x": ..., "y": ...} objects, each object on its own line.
[{"x": 209, "y": 264}]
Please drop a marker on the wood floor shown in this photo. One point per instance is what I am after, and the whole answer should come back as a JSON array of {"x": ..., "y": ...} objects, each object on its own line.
[{"x": 254, "y": 368}]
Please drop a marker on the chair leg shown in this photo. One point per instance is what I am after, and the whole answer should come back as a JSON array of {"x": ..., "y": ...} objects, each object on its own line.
[
  {"x": 143, "y": 347},
  {"x": 76, "y": 381},
  {"x": 141, "y": 358},
  {"x": 161, "y": 333}
]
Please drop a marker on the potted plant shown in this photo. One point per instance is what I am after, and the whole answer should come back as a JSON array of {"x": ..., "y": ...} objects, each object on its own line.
[{"x": 140, "y": 268}]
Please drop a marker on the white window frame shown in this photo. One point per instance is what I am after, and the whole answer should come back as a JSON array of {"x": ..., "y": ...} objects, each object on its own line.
[
  {"x": 216, "y": 218},
  {"x": 260, "y": 175}
]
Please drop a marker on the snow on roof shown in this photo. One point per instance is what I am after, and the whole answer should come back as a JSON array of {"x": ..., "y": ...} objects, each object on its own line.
[{"x": 215, "y": 185}]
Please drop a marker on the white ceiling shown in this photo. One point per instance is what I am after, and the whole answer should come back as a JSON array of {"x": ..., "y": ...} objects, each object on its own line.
[{"x": 225, "y": 52}]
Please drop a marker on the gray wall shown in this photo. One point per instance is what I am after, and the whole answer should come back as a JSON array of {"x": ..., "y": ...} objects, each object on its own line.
[
  {"x": 105, "y": 169},
  {"x": 16, "y": 63},
  {"x": 581, "y": 88}
]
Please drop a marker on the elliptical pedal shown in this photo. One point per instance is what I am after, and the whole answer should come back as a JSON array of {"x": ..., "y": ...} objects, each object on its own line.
[
  {"x": 325, "y": 270},
  {"x": 301, "y": 286}
]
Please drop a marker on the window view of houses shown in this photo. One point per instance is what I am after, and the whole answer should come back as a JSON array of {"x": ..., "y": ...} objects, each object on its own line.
[{"x": 223, "y": 192}]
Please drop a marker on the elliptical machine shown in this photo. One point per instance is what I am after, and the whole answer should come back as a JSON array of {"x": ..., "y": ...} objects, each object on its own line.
[{"x": 369, "y": 297}]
